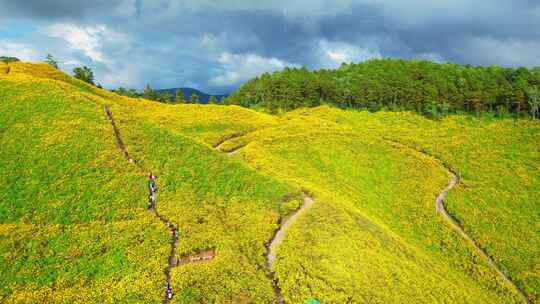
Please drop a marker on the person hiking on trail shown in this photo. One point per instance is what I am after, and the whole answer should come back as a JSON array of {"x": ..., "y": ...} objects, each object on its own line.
[
  {"x": 169, "y": 293},
  {"x": 174, "y": 232},
  {"x": 151, "y": 200},
  {"x": 152, "y": 185},
  {"x": 173, "y": 261},
  {"x": 168, "y": 290}
]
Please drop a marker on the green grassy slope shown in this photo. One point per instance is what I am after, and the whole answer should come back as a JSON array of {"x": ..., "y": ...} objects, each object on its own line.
[
  {"x": 218, "y": 203},
  {"x": 73, "y": 224},
  {"x": 359, "y": 178},
  {"x": 497, "y": 160},
  {"x": 71, "y": 211},
  {"x": 3, "y": 68}
]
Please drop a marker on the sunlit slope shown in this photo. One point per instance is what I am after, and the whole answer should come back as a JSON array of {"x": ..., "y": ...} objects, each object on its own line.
[
  {"x": 437, "y": 246},
  {"x": 45, "y": 71},
  {"x": 70, "y": 210},
  {"x": 74, "y": 225},
  {"x": 374, "y": 223},
  {"x": 498, "y": 163},
  {"x": 3, "y": 68},
  {"x": 208, "y": 124},
  {"x": 218, "y": 203},
  {"x": 497, "y": 160},
  {"x": 371, "y": 236}
]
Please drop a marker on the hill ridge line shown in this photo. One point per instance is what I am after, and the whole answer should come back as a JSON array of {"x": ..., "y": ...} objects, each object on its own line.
[
  {"x": 162, "y": 218},
  {"x": 456, "y": 226}
]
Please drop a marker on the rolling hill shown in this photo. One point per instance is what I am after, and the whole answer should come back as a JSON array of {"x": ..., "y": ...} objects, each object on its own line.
[{"x": 74, "y": 224}]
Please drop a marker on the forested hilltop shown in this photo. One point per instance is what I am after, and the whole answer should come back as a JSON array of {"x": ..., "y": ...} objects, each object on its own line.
[{"x": 422, "y": 86}]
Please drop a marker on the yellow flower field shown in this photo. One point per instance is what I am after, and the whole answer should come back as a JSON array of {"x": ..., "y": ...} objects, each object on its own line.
[{"x": 74, "y": 226}]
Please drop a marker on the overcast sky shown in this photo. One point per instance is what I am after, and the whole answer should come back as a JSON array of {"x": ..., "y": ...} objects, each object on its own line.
[{"x": 216, "y": 45}]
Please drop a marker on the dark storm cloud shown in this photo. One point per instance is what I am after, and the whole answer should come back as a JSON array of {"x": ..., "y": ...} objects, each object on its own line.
[
  {"x": 55, "y": 9},
  {"x": 214, "y": 45}
]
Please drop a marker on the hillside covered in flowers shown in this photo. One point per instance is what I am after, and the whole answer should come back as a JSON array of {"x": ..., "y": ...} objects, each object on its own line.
[{"x": 74, "y": 224}]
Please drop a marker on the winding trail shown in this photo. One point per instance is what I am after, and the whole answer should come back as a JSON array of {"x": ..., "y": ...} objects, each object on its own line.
[
  {"x": 280, "y": 234},
  {"x": 172, "y": 260},
  {"x": 308, "y": 202},
  {"x": 277, "y": 239},
  {"x": 439, "y": 206},
  {"x": 454, "y": 224}
]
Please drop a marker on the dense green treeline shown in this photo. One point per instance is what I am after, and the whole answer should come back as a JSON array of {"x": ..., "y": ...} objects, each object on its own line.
[
  {"x": 8, "y": 59},
  {"x": 422, "y": 86},
  {"x": 163, "y": 97}
]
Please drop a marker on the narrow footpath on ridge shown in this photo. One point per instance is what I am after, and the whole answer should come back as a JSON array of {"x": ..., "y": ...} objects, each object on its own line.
[
  {"x": 453, "y": 223},
  {"x": 280, "y": 234},
  {"x": 171, "y": 259}
]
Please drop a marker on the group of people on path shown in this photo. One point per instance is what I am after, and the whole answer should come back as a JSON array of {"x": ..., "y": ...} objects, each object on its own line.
[{"x": 152, "y": 189}]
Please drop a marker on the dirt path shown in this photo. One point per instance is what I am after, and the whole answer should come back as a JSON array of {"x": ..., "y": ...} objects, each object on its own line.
[
  {"x": 172, "y": 261},
  {"x": 280, "y": 234},
  {"x": 277, "y": 239},
  {"x": 453, "y": 223},
  {"x": 439, "y": 206},
  {"x": 227, "y": 138}
]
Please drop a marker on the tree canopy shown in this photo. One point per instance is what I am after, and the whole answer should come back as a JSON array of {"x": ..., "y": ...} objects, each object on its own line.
[
  {"x": 50, "y": 60},
  {"x": 164, "y": 97},
  {"x": 147, "y": 93},
  {"x": 84, "y": 73},
  {"x": 179, "y": 97},
  {"x": 194, "y": 98},
  {"x": 8, "y": 59},
  {"x": 426, "y": 87}
]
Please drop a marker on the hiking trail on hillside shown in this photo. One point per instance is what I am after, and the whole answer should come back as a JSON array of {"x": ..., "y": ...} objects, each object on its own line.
[
  {"x": 280, "y": 234},
  {"x": 277, "y": 239},
  {"x": 439, "y": 205},
  {"x": 456, "y": 226},
  {"x": 174, "y": 244}
]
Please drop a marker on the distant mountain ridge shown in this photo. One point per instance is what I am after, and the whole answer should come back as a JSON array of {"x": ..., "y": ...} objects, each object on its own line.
[{"x": 187, "y": 92}]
